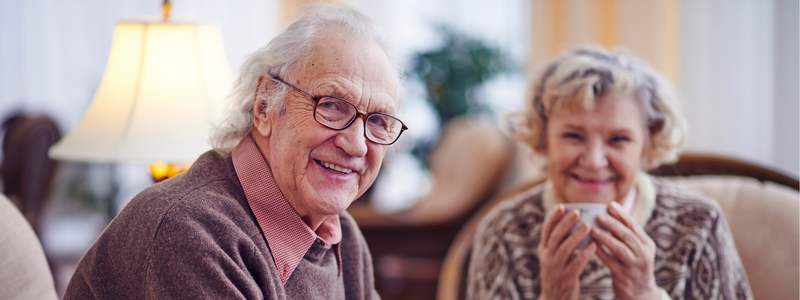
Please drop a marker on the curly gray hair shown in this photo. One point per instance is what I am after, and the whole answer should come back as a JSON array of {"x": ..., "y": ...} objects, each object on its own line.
[
  {"x": 579, "y": 77},
  {"x": 278, "y": 58}
]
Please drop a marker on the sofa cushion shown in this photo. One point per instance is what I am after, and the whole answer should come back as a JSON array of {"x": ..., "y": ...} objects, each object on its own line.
[{"x": 24, "y": 273}]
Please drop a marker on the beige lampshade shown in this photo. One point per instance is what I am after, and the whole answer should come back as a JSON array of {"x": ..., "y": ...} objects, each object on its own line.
[{"x": 162, "y": 88}]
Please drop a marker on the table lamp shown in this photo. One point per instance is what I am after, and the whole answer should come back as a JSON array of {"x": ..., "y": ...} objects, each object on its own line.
[{"x": 162, "y": 88}]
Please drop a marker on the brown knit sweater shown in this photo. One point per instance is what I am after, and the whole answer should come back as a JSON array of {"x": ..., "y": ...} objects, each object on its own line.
[
  {"x": 695, "y": 254},
  {"x": 194, "y": 236}
]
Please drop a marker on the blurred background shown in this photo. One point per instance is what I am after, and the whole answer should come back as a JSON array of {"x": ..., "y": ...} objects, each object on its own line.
[{"x": 734, "y": 64}]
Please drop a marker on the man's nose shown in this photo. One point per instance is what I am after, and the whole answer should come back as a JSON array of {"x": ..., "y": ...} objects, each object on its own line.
[
  {"x": 594, "y": 157},
  {"x": 352, "y": 139}
]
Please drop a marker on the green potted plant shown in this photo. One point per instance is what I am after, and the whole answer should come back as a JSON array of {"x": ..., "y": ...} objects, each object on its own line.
[{"x": 451, "y": 74}]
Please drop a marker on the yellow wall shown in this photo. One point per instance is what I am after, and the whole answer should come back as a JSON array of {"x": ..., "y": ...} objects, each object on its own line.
[
  {"x": 648, "y": 29},
  {"x": 290, "y": 7}
]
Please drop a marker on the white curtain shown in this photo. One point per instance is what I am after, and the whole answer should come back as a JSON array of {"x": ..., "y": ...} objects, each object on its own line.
[
  {"x": 53, "y": 53},
  {"x": 738, "y": 78}
]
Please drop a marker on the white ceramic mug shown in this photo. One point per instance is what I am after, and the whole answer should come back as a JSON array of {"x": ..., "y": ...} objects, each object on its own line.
[{"x": 589, "y": 212}]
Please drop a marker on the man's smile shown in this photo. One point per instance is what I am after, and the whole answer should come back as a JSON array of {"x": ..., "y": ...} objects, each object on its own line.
[{"x": 334, "y": 167}]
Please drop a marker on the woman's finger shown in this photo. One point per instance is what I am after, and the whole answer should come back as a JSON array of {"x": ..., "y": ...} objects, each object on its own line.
[
  {"x": 571, "y": 242},
  {"x": 617, "y": 248},
  {"x": 608, "y": 260},
  {"x": 562, "y": 228},
  {"x": 550, "y": 221},
  {"x": 621, "y": 232},
  {"x": 579, "y": 262},
  {"x": 615, "y": 210}
]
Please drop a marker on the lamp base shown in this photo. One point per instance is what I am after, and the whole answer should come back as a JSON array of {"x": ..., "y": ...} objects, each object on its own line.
[{"x": 162, "y": 171}]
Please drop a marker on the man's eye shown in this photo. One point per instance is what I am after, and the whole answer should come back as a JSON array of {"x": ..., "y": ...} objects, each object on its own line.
[
  {"x": 377, "y": 121},
  {"x": 573, "y": 136},
  {"x": 328, "y": 105}
]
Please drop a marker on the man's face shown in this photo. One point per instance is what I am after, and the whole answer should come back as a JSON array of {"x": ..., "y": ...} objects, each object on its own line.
[{"x": 321, "y": 170}]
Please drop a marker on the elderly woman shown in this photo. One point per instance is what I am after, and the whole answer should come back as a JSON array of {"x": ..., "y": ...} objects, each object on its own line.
[{"x": 600, "y": 120}]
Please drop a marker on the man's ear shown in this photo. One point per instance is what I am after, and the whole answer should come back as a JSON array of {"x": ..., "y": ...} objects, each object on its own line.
[{"x": 261, "y": 118}]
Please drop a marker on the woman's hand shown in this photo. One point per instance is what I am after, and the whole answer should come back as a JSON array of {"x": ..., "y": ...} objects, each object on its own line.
[
  {"x": 628, "y": 253},
  {"x": 559, "y": 269}
]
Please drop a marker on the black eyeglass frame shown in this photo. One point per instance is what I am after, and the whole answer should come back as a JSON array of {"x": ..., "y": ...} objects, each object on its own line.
[{"x": 356, "y": 116}]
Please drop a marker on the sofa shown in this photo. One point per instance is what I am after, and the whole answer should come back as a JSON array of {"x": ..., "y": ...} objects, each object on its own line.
[
  {"x": 762, "y": 206},
  {"x": 763, "y": 218}
]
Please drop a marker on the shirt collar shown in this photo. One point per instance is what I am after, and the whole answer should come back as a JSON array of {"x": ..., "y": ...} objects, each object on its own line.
[
  {"x": 288, "y": 237},
  {"x": 629, "y": 201}
]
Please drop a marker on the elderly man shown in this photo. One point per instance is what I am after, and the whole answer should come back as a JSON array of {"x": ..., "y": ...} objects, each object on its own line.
[{"x": 264, "y": 216}]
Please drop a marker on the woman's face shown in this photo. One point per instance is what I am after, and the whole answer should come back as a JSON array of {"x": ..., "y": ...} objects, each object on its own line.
[{"x": 594, "y": 156}]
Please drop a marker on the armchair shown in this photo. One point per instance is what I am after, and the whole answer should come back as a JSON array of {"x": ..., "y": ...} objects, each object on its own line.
[
  {"x": 26, "y": 170},
  {"x": 760, "y": 203}
]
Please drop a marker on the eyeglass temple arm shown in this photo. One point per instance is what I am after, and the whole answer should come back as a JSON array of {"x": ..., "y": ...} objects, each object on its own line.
[{"x": 296, "y": 89}]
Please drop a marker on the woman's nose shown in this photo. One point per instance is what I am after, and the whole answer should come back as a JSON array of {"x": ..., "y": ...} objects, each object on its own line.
[{"x": 594, "y": 157}]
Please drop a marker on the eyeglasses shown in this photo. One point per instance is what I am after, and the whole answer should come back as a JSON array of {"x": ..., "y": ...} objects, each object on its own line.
[{"x": 338, "y": 114}]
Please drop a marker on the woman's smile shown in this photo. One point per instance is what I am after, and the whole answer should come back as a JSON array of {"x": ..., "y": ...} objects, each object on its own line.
[{"x": 593, "y": 183}]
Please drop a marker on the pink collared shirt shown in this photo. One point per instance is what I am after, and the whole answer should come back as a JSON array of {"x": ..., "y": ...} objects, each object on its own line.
[{"x": 288, "y": 237}]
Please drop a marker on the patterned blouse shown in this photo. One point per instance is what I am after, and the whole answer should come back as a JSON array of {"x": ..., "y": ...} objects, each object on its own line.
[{"x": 695, "y": 254}]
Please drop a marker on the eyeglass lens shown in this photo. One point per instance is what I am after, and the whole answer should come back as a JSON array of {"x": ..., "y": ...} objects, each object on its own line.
[{"x": 338, "y": 114}]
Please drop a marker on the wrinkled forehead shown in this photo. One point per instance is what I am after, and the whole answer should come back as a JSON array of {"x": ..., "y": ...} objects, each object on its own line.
[{"x": 337, "y": 52}]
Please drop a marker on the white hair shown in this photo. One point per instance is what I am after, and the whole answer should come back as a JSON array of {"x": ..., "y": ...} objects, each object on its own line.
[
  {"x": 278, "y": 58},
  {"x": 579, "y": 77}
]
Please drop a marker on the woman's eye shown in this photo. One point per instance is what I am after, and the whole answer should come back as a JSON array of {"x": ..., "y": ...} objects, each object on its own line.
[{"x": 620, "y": 138}]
